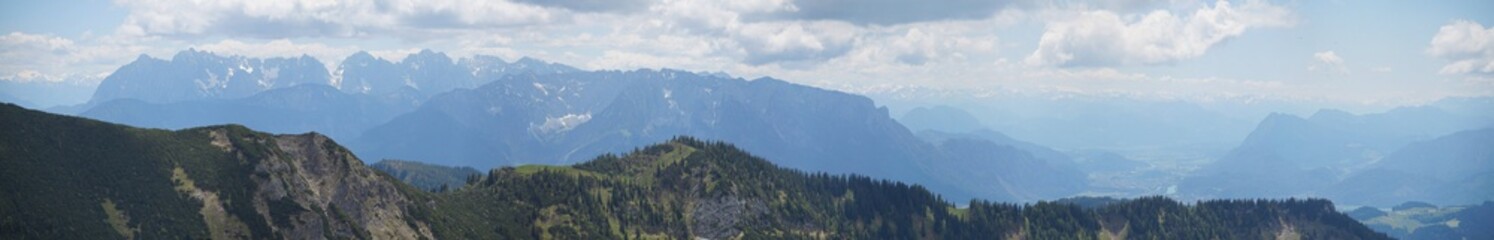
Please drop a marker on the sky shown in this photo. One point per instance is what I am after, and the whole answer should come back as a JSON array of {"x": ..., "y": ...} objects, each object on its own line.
[{"x": 1344, "y": 52}]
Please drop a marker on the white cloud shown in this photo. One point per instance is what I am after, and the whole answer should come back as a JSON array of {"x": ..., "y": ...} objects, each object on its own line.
[
  {"x": 1468, "y": 45},
  {"x": 1105, "y": 38},
  {"x": 1328, "y": 57},
  {"x": 794, "y": 41},
  {"x": 787, "y": 39},
  {"x": 924, "y": 43},
  {"x": 22, "y": 55},
  {"x": 29, "y": 56},
  {"x": 891, "y": 12},
  {"x": 319, "y": 18},
  {"x": 753, "y": 42},
  {"x": 750, "y": 32},
  {"x": 277, "y": 48},
  {"x": 1328, "y": 60}
]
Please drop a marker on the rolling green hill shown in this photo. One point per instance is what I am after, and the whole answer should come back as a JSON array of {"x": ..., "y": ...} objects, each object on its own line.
[{"x": 73, "y": 178}]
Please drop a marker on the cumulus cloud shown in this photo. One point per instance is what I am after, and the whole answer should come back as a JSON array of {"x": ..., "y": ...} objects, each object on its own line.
[
  {"x": 592, "y": 5},
  {"x": 1106, "y": 38},
  {"x": 315, "y": 18},
  {"x": 829, "y": 43},
  {"x": 329, "y": 55},
  {"x": 1328, "y": 60},
  {"x": 45, "y": 57},
  {"x": 920, "y": 44},
  {"x": 794, "y": 41},
  {"x": 753, "y": 32},
  {"x": 802, "y": 33},
  {"x": 1468, "y": 45},
  {"x": 891, "y": 12}
]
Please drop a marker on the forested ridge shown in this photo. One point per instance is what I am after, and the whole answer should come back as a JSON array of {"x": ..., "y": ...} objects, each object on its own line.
[
  {"x": 69, "y": 177},
  {"x": 692, "y": 188}
]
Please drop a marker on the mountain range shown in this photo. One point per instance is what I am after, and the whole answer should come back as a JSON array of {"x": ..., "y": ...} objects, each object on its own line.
[
  {"x": 1121, "y": 124},
  {"x": 1357, "y": 159},
  {"x": 1453, "y": 169},
  {"x": 69, "y": 177},
  {"x": 364, "y": 92},
  {"x": 194, "y": 75},
  {"x": 484, "y": 112}
]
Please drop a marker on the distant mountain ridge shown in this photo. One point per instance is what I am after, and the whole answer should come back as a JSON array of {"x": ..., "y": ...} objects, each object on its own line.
[
  {"x": 364, "y": 92},
  {"x": 940, "y": 118},
  {"x": 562, "y": 118},
  {"x": 1292, "y": 156},
  {"x": 303, "y": 108},
  {"x": 482, "y": 111},
  {"x": 427, "y": 73},
  {"x": 196, "y": 75},
  {"x": 426, "y": 176},
  {"x": 1453, "y": 169}
]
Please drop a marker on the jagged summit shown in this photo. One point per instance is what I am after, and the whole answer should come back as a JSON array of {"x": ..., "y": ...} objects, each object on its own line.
[{"x": 196, "y": 75}]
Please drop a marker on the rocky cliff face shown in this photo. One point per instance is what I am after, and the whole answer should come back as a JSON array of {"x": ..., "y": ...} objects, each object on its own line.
[
  {"x": 72, "y": 178},
  {"x": 311, "y": 172}
]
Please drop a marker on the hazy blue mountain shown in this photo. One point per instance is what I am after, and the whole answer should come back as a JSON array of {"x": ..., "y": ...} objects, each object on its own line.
[
  {"x": 426, "y": 176},
  {"x": 1285, "y": 156},
  {"x": 567, "y": 117},
  {"x": 1010, "y": 170},
  {"x": 196, "y": 75},
  {"x": 940, "y": 118},
  {"x": 1453, "y": 169},
  {"x": 1470, "y": 106},
  {"x": 1402, "y": 125},
  {"x": 1039, "y": 151},
  {"x": 538, "y": 112},
  {"x": 373, "y": 91},
  {"x": 1064, "y": 173},
  {"x": 428, "y": 73},
  {"x": 1112, "y": 123},
  {"x": 39, "y": 94},
  {"x": 12, "y": 99},
  {"x": 1017, "y": 167},
  {"x": 1293, "y": 156},
  {"x": 364, "y": 73},
  {"x": 1115, "y": 124},
  {"x": 303, "y": 108}
]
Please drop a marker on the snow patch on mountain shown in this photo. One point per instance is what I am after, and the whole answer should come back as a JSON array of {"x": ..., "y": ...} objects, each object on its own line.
[{"x": 563, "y": 123}]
